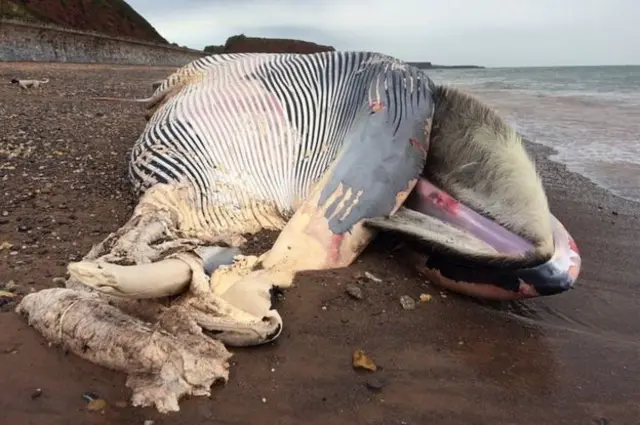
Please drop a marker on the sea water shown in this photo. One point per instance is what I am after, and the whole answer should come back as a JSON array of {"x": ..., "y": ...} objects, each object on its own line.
[{"x": 589, "y": 115}]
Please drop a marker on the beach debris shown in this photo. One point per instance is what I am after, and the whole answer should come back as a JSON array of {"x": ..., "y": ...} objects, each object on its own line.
[
  {"x": 375, "y": 384},
  {"x": 90, "y": 396},
  {"x": 59, "y": 281},
  {"x": 354, "y": 291},
  {"x": 372, "y": 277},
  {"x": 98, "y": 404},
  {"x": 425, "y": 298},
  {"x": 10, "y": 286},
  {"x": 407, "y": 302},
  {"x": 94, "y": 401},
  {"x": 6, "y": 294},
  {"x": 361, "y": 360}
]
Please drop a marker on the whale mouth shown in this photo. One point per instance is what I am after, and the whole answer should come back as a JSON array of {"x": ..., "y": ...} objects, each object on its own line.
[
  {"x": 469, "y": 253},
  {"x": 478, "y": 217}
]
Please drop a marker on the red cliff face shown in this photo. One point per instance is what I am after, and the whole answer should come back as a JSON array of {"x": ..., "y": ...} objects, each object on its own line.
[
  {"x": 111, "y": 17},
  {"x": 243, "y": 44},
  {"x": 117, "y": 18}
]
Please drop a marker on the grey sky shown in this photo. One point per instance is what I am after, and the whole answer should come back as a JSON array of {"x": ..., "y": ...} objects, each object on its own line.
[{"x": 483, "y": 32}]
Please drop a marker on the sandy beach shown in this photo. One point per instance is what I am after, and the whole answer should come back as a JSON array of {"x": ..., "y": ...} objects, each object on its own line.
[{"x": 568, "y": 359}]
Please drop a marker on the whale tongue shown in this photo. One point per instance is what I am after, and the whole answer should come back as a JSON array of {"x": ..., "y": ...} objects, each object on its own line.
[
  {"x": 430, "y": 214},
  {"x": 428, "y": 199}
]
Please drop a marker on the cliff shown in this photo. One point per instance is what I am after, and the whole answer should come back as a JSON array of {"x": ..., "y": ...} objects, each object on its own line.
[
  {"x": 40, "y": 42},
  {"x": 110, "y": 17},
  {"x": 243, "y": 44}
]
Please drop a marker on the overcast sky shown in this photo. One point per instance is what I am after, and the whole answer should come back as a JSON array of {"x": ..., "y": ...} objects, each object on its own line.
[{"x": 482, "y": 32}]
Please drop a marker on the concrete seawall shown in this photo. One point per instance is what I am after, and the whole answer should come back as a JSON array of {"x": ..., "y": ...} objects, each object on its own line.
[{"x": 25, "y": 41}]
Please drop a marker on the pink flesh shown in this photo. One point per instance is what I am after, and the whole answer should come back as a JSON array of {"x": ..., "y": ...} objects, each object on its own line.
[{"x": 438, "y": 204}]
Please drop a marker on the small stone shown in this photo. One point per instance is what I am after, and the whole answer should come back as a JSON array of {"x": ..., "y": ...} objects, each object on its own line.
[
  {"x": 148, "y": 422},
  {"x": 59, "y": 281},
  {"x": 375, "y": 384},
  {"x": 614, "y": 212},
  {"x": 264, "y": 400},
  {"x": 5, "y": 245},
  {"x": 98, "y": 404},
  {"x": 5, "y": 213},
  {"x": 23, "y": 228},
  {"x": 372, "y": 277},
  {"x": 354, "y": 291},
  {"x": 37, "y": 393},
  {"x": 90, "y": 396},
  {"x": 425, "y": 298},
  {"x": 407, "y": 302},
  {"x": 360, "y": 360}
]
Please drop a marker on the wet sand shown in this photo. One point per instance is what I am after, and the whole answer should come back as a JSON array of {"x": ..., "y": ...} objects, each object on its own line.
[{"x": 568, "y": 359}]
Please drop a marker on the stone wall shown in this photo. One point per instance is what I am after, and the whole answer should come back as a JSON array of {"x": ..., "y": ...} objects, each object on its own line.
[{"x": 25, "y": 41}]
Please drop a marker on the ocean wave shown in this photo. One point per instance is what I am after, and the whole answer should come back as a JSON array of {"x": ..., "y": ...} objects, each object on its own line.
[{"x": 589, "y": 116}]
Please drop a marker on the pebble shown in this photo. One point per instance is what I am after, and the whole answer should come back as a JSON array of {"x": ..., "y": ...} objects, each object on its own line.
[
  {"x": 360, "y": 360},
  {"x": 37, "y": 393},
  {"x": 372, "y": 277},
  {"x": 90, "y": 396},
  {"x": 148, "y": 422},
  {"x": 98, "y": 404},
  {"x": 10, "y": 286},
  {"x": 354, "y": 291},
  {"x": 407, "y": 302},
  {"x": 424, "y": 298},
  {"x": 59, "y": 281},
  {"x": 375, "y": 384}
]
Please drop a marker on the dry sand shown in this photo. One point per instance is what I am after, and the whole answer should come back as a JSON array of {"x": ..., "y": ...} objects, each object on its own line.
[{"x": 568, "y": 359}]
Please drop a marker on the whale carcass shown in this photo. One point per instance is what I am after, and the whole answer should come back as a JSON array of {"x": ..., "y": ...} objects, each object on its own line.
[{"x": 330, "y": 149}]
